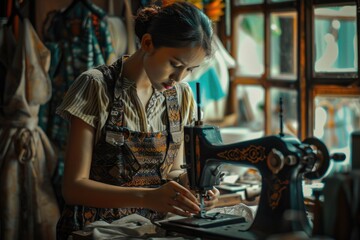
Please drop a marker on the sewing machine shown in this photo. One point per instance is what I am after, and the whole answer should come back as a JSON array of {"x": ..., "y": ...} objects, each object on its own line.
[{"x": 281, "y": 160}]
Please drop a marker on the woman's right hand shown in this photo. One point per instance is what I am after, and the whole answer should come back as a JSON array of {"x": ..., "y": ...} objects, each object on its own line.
[{"x": 174, "y": 198}]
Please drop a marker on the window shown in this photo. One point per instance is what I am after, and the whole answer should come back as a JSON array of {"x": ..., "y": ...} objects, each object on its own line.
[
  {"x": 335, "y": 39},
  {"x": 283, "y": 42},
  {"x": 305, "y": 53},
  {"x": 250, "y": 45}
]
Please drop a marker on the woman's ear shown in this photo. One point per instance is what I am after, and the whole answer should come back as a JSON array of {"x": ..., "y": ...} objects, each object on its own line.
[{"x": 147, "y": 43}]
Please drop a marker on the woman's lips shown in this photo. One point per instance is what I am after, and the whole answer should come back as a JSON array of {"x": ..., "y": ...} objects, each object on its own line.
[{"x": 167, "y": 86}]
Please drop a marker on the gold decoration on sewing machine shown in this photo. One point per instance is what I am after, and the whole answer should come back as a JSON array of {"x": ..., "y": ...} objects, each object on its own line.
[
  {"x": 275, "y": 191},
  {"x": 253, "y": 154}
]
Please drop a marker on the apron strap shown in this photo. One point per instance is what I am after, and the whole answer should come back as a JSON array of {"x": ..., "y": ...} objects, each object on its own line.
[
  {"x": 175, "y": 134},
  {"x": 111, "y": 75},
  {"x": 174, "y": 116}
]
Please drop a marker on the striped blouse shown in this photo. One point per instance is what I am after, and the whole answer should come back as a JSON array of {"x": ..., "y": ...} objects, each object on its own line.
[{"x": 88, "y": 99}]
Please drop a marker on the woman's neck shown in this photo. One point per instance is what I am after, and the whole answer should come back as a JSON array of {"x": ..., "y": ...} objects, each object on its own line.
[{"x": 134, "y": 71}]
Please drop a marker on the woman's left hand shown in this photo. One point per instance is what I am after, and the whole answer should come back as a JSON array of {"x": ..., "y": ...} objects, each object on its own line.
[
  {"x": 213, "y": 198},
  {"x": 213, "y": 194}
]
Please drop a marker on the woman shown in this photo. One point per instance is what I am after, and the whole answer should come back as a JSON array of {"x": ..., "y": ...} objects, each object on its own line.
[{"x": 126, "y": 120}]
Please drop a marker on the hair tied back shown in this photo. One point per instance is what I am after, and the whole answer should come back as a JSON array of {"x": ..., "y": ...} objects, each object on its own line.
[{"x": 144, "y": 18}]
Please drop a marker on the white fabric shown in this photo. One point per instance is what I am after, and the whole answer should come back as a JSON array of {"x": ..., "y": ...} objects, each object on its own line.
[
  {"x": 133, "y": 225},
  {"x": 241, "y": 210},
  {"x": 130, "y": 227},
  {"x": 118, "y": 32},
  {"x": 138, "y": 227}
]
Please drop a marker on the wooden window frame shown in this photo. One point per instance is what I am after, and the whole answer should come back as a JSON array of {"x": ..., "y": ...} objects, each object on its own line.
[{"x": 307, "y": 84}]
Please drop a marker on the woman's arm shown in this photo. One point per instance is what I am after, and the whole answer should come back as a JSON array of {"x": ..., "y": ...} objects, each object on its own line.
[{"x": 78, "y": 189}]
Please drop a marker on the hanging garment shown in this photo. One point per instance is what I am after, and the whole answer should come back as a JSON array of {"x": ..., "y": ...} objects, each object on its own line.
[
  {"x": 79, "y": 39},
  {"x": 118, "y": 32},
  {"x": 28, "y": 207},
  {"x": 130, "y": 26},
  {"x": 123, "y": 155}
]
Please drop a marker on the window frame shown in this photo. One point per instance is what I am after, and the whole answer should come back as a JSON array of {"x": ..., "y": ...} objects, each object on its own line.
[{"x": 307, "y": 84}]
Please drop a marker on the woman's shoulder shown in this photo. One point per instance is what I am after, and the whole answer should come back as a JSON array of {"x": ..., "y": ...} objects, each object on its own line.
[
  {"x": 186, "y": 101},
  {"x": 183, "y": 88},
  {"x": 93, "y": 79},
  {"x": 87, "y": 99},
  {"x": 93, "y": 75},
  {"x": 184, "y": 93}
]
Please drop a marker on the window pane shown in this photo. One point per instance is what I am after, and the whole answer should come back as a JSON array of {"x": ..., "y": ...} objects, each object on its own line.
[
  {"x": 290, "y": 113},
  {"x": 283, "y": 45},
  {"x": 250, "y": 45},
  {"x": 335, "y": 119},
  {"x": 247, "y": 2},
  {"x": 335, "y": 39},
  {"x": 250, "y": 100}
]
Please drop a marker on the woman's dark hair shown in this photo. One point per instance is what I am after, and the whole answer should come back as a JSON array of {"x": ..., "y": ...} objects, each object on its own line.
[{"x": 180, "y": 24}]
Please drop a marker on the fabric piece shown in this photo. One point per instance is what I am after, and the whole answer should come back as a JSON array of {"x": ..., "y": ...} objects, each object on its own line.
[
  {"x": 28, "y": 207},
  {"x": 241, "y": 210},
  {"x": 210, "y": 86},
  {"x": 130, "y": 227}
]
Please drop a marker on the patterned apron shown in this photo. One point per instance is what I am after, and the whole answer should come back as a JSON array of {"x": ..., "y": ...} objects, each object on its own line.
[{"x": 127, "y": 158}]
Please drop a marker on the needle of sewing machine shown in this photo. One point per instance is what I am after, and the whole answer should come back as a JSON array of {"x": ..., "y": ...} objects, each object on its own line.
[{"x": 202, "y": 213}]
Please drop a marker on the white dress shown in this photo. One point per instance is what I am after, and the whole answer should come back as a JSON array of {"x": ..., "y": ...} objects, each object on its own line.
[{"x": 28, "y": 208}]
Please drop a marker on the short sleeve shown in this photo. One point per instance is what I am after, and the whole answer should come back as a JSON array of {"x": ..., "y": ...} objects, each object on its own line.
[{"x": 87, "y": 99}]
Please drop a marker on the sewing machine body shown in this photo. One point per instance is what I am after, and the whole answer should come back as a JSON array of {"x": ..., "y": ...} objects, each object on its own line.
[{"x": 282, "y": 162}]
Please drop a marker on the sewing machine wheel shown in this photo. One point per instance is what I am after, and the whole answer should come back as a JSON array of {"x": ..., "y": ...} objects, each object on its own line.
[{"x": 323, "y": 158}]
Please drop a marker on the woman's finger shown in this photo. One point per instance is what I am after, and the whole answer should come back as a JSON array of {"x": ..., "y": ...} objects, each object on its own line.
[
  {"x": 182, "y": 202},
  {"x": 179, "y": 211},
  {"x": 212, "y": 199},
  {"x": 185, "y": 192}
]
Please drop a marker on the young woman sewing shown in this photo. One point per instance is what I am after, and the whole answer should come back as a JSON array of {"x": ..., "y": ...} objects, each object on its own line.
[{"x": 127, "y": 119}]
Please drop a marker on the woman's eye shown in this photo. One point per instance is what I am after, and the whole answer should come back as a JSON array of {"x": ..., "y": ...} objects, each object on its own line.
[{"x": 175, "y": 65}]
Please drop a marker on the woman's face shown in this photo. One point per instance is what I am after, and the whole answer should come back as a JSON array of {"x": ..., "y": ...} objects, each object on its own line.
[{"x": 166, "y": 66}]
